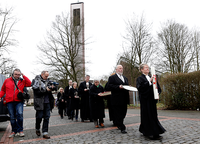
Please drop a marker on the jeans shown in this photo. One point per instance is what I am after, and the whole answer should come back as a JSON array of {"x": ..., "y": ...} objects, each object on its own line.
[
  {"x": 45, "y": 114},
  {"x": 15, "y": 110}
]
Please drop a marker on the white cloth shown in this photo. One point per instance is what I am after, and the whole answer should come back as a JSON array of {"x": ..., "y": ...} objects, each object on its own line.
[
  {"x": 121, "y": 77},
  {"x": 148, "y": 78}
]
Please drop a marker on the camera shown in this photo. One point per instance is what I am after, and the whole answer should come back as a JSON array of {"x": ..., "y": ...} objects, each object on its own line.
[{"x": 52, "y": 85}]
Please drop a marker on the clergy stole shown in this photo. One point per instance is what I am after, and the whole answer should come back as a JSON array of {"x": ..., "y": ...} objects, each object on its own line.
[{"x": 155, "y": 88}]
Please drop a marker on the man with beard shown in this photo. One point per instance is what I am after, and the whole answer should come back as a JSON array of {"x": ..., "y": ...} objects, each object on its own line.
[{"x": 119, "y": 97}]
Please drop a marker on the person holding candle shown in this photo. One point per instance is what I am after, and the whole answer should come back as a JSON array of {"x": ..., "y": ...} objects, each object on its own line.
[
  {"x": 74, "y": 104},
  {"x": 83, "y": 91},
  {"x": 150, "y": 125}
]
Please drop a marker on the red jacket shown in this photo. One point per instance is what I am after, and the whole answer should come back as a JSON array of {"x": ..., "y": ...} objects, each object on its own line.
[{"x": 11, "y": 92}]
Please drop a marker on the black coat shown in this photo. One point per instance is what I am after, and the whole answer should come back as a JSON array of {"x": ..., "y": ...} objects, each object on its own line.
[
  {"x": 85, "y": 107},
  {"x": 110, "y": 108},
  {"x": 61, "y": 97},
  {"x": 66, "y": 91},
  {"x": 96, "y": 102},
  {"x": 39, "y": 96},
  {"x": 118, "y": 96},
  {"x": 74, "y": 102},
  {"x": 150, "y": 124}
]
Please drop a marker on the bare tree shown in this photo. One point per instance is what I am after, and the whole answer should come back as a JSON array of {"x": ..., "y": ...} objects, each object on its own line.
[
  {"x": 7, "y": 22},
  {"x": 175, "y": 47},
  {"x": 61, "y": 50},
  {"x": 196, "y": 45},
  {"x": 138, "y": 45},
  {"x": 7, "y": 66}
]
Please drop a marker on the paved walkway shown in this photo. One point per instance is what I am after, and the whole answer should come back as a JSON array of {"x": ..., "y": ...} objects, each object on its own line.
[{"x": 181, "y": 126}]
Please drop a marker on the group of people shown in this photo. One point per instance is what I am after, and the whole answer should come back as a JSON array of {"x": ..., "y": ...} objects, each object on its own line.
[{"x": 87, "y": 97}]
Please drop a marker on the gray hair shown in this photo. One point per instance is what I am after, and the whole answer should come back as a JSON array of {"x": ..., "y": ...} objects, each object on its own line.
[
  {"x": 18, "y": 70},
  {"x": 118, "y": 66},
  {"x": 70, "y": 81},
  {"x": 44, "y": 71},
  {"x": 96, "y": 80},
  {"x": 141, "y": 66},
  {"x": 74, "y": 83}
]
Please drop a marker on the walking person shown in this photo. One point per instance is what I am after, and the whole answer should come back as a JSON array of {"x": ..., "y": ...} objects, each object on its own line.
[
  {"x": 119, "y": 97},
  {"x": 150, "y": 125},
  {"x": 84, "y": 94},
  {"x": 43, "y": 102},
  {"x": 67, "y": 99},
  {"x": 61, "y": 101},
  {"x": 97, "y": 104},
  {"x": 74, "y": 105},
  {"x": 14, "y": 104}
]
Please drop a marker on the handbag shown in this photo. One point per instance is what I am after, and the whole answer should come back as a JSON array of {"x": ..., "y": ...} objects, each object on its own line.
[{"x": 21, "y": 95}]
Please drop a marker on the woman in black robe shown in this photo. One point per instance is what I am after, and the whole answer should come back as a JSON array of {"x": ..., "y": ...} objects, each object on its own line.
[
  {"x": 61, "y": 101},
  {"x": 97, "y": 104},
  {"x": 74, "y": 104},
  {"x": 150, "y": 125}
]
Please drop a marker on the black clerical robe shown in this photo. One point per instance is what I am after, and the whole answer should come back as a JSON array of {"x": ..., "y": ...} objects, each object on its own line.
[
  {"x": 85, "y": 107},
  {"x": 97, "y": 102},
  {"x": 119, "y": 99},
  {"x": 150, "y": 124}
]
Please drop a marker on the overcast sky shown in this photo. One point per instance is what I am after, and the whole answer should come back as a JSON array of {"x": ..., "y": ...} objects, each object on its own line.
[{"x": 104, "y": 27}]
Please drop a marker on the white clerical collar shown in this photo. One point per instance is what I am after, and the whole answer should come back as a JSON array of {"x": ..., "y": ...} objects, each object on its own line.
[{"x": 121, "y": 77}]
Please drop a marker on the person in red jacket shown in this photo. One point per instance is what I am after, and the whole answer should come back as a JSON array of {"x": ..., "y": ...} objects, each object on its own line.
[{"x": 15, "y": 105}]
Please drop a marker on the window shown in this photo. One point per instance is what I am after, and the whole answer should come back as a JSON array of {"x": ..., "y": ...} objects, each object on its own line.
[{"x": 76, "y": 17}]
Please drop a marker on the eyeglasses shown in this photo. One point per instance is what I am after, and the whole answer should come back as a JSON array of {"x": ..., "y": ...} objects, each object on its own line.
[{"x": 17, "y": 74}]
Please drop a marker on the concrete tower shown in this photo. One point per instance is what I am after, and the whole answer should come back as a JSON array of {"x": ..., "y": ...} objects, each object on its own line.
[{"x": 77, "y": 16}]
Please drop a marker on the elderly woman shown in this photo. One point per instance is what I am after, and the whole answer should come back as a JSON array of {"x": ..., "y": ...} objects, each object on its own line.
[
  {"x": 61, "y": 101},
  {"x": 150, "y": 125},
  {"x": 74, "y": 104},
  {"x": 97, "y": 104}
]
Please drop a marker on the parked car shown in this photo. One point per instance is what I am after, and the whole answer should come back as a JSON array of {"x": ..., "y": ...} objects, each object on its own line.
[{"x": 4, "y": 116}]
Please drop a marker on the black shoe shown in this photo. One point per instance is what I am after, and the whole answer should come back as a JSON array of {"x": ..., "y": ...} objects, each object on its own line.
[
  {"x": 61, "y": 117},
  {"x": 124, "y": 131},
  {"x": 155, "y": 137},
  {"x": 82, "y": 120},
  {"x": 38, "y": 133},
  {"x": 65, "y": 114},
  {"x": 46, "y": 136},
  {"x": 91, "y": 121},
  {"x": 69, "y": 117}
]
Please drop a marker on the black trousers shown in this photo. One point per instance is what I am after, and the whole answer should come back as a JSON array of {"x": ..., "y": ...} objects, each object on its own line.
[
  {"x": 119, "y": 115},
  {"x": 45, "y": 115}
]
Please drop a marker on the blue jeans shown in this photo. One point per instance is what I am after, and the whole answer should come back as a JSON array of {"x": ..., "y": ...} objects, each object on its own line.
[
  {"x": 15, "y": 110},
  {"x": 43, "y": 114}
]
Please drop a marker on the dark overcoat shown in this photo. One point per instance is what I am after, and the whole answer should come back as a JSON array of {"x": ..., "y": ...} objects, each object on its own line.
[
  {"x": 96, "y": 102},
  {"x": 74, "y": 103},
  {"x": 110, "y": 108},
  {"x": 85, "y": 107},
  {"x": 39, "y": 96},
  {"x": 59, "y": 98},
  {"x": 118, "y": 96},
  {"x": 150, "y": 124}
]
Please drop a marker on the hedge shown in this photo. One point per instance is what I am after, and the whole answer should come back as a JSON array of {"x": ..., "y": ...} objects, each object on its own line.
[{"x": 181, "y": 91}]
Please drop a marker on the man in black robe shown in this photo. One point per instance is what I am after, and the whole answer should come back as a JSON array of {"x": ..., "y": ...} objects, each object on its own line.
[
  {"x": 150, "y": 125},
  {"x": 119, "y": 97},
  {"x": 83, "y": 91},
  {"x": 67, "y": 100}
]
